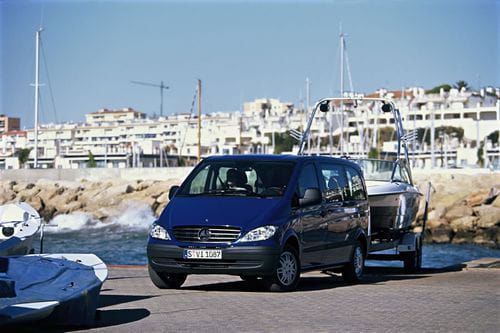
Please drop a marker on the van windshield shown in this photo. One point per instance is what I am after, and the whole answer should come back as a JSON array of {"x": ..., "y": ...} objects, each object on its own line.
[{"x": 239, "y": 178}]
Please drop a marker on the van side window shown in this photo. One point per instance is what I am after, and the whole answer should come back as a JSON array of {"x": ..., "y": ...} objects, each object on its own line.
[
  {"x": 357, "y": 191},
  {"x": 335, "y": 182},
  {"x": 307, "y": 179}
]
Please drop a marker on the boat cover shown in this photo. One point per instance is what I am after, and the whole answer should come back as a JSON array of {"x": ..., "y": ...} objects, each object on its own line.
[{"x": 38, "y": 279}]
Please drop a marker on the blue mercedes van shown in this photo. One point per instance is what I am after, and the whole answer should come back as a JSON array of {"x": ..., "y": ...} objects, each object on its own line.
[{"x": 262, "y": 217}]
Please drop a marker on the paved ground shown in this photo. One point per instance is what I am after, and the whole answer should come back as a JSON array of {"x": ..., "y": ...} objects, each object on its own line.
[{"x": 453, "y": 299}]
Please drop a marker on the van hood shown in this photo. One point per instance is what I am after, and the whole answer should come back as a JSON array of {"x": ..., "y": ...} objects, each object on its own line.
[{"x": 246, "y": 213}]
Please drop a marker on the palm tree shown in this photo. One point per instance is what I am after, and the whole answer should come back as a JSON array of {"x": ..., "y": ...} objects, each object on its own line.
[
  {"x": 23, "y": 155},
  {"x": 461, "y": 84}
]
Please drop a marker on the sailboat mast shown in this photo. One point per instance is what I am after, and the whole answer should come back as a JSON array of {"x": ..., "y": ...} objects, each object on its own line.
[
  {"x": 341, "y": 91},
  {"x": 308, "y": 100},
  {"x": 37, "y": 85},
  {"x": 199, "y": 120}
]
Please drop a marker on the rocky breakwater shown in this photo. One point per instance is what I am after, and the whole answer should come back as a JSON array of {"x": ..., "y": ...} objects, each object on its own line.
[
  {"x": 464, "y": 208},
  {"x": 101, "y": 201}
]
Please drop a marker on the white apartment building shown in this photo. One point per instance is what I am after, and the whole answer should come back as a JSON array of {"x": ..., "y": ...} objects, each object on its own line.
[{"x": 127, "y": 138}]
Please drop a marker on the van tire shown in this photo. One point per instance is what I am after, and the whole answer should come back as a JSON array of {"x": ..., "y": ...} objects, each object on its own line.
[
  {"x": 353, "y": 271},
  {"x": 166, "y": 280},
  {"x": 288, "y": 263}
]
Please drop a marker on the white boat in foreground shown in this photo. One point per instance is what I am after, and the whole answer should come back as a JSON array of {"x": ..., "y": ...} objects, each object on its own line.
[{"x": 19, "y": 223}]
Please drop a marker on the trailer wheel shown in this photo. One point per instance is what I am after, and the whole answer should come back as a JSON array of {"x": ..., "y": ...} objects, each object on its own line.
[{"x": 413, "y": 260}]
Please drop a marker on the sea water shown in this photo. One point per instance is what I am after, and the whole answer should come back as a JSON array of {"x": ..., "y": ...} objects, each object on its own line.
[{"x": 122, "y": 240}]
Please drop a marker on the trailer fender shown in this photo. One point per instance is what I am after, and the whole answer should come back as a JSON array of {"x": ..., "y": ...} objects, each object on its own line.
[{"x": 409, "y": 242}]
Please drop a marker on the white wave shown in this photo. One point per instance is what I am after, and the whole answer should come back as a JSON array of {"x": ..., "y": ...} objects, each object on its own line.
[
  {"x": 132, "y": 216},
  {"x": 72, "y": 222},
  {"x": 137, "y": 215}
]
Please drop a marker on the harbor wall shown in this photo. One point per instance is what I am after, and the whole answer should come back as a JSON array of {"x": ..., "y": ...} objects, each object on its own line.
[
  {"x": 96, "y": 174},
  {"x": 177, "y": 173}
]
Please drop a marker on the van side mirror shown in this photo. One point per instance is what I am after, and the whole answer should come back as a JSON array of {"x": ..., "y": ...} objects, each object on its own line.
[
  {"x": 312, "y": 196},
  {"x": 172, "y": 192}
]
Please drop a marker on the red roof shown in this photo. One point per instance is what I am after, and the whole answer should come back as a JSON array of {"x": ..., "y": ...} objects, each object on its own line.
[{"x": 21, "y": 133}]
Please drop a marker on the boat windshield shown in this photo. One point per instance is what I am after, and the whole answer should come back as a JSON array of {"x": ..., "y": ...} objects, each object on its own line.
[
  {"x": 239, "y": 178},
  {"x": 376, "y": 170},
  {"x": 381, "y": 170}
]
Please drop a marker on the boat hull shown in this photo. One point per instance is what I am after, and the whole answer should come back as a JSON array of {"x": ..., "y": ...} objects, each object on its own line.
[
  {"x": 60, "y": 288},
  {"x": 393, "y": 206}
]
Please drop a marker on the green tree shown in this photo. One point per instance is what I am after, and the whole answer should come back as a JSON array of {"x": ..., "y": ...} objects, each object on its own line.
[
  {"x": 493, "y": 136},
  {"x": 450, "y": 130},
  {"x": 480, "y": 155},
  {"x": 23, "y": 155},
  {"x": 283, "y": 142},
  {"x": 461, "y": 84},
  {"x": 373, "y": 153},
  {"x": 91, "y": 163},
  {"x": 437, "y": 89}
]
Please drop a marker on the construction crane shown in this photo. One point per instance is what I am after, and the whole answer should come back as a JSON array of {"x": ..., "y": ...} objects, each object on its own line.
[{"x": 161, "y": 86}]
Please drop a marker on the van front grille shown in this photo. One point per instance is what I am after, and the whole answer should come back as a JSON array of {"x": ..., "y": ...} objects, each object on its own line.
[{"x": 202, "y": 234}]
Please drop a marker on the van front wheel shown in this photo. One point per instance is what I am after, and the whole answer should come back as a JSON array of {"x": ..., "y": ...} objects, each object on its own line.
[
  {"x": 287, "y": 273},
  {"x": 165, "y": 280}
]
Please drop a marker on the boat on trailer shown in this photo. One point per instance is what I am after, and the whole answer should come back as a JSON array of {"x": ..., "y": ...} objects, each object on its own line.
[{"x": 393, "y": 197}]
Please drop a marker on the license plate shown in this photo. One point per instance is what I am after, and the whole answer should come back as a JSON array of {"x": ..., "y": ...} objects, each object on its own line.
[{"x": 202, "y": 254}]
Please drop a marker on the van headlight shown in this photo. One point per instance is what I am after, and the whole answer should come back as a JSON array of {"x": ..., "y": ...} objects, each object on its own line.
[
  {"x": 158, "y": 232},
  {"x": 259, "y": 234}
]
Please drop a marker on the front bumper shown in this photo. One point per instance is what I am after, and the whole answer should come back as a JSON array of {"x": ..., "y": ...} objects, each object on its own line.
[{"x": 241, "y": 260}]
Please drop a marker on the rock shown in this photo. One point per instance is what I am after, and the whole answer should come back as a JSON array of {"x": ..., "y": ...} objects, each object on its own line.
[
  {"x": 465, "y": 223},
  {"x": 457, "y": 212},
  {"x": 47, "y": 212},
  {"x": 156, "y": 189},
  {"x": 129, "y": 189},
  {"x": 476, "y": 198},
  {"x": 70, "y": 207},
  {"x": 162, "y": 198},
  {"x": 28, "y": 193},
  {"x": 19, "y": 186},
  {"x": 35, "y": 202},
  {"x": 496, "y": 202},
  {"x": 6, "y": 195},
  {"x": 487, "y": 237},
  {"x": 141, "y": 186},
  {"x": 159, "y": 210},
  {"x": 441, "y": 234},
  {"x": 437, "y": 213},
  {"x": 463, "y": 237},
  {"x": 432, "y": 224},
  {"x": 47, "y": 193},
  {"x": 489, "y": 216}
]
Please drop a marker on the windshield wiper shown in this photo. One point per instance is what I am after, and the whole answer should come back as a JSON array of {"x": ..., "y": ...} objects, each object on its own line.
[{"x": 228, "y": 192}]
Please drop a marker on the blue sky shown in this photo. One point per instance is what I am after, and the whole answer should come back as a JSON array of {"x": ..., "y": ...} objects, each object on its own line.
[{"x": 240, "y": 49}]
